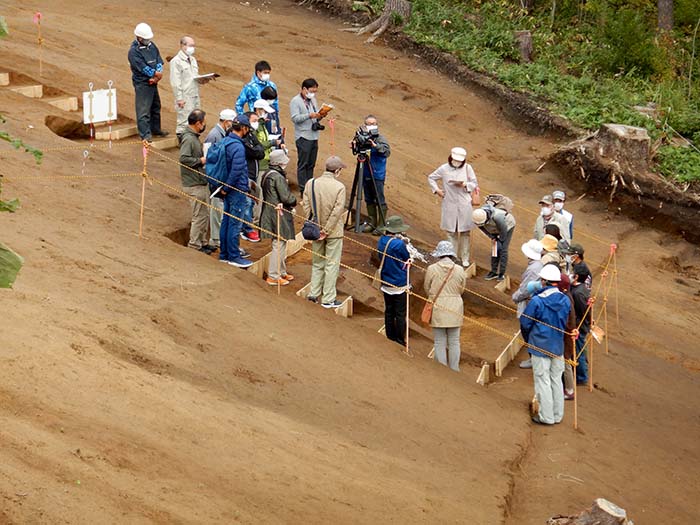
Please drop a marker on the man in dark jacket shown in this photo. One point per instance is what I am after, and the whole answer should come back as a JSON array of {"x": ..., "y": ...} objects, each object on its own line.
[
  {"x": 394, "y": 259},
  {"x": 543, "y": 325},
  {"x": 254, "y": 153},
  {"x": 194, "y": 183},
  {"x": 146, "y": 71},
  {"x": 234, "y": 191},
  {"x": 374, "y": 175},
  {"x": 581, "y": 295}
]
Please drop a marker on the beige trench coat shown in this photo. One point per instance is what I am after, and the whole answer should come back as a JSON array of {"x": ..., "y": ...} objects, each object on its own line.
[
  {"x": 330, "y": 204},
  {"x": 448, "y": 310},
  {"x": 457, "y": 203}
]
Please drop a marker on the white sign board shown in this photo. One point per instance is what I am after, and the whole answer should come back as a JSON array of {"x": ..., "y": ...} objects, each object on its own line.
[{"x": 99, "y": 106}]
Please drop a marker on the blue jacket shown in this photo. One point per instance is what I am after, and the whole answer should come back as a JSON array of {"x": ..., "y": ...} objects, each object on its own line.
[
  {"x": 251, "y": 92},
  {"x": 550, "y": 306},
  {"x": 377, "y": 159},
  {"x": 236, "y": 163},
  {"x": 145, "y": 61},
  {"x": 394, "y": 271}
]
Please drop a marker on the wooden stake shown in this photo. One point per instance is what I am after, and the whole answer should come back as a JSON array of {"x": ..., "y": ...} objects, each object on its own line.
[
  {"x": 575, "y": 396},
  {"x": 408, "y": 304},
  {"x": 617, "y": 295},
  {"x": 279, "y": 258},
  {"x": 143, "y": 197},
  {"x": 605, "y": 317}
]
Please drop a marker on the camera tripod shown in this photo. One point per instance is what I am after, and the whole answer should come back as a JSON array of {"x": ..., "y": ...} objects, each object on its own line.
[{"x": 356, "y": 193}]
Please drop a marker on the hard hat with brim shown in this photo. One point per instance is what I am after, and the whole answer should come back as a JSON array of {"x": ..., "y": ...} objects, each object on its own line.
[
  {"x": 551, "y": 273},
  {"x": 394, "y": 224},
  {"x": 143, "y": 30}
]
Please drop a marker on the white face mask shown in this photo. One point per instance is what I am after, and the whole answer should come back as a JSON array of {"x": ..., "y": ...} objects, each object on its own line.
[
  {"x": 569, "y": 258},
  {"x": 337, "y": 173},
  {"x": 263, "y": 114},
  {"x": 265, "y": 77},
  {"x": 546, "y": 211},
  {"x": 254, "y": 125},
  {"x": 558, "y": 206},
  {"x": 189, "y": 51},
  {"x": 372, "y": 127},
  {"x": 310, "y": 95}
]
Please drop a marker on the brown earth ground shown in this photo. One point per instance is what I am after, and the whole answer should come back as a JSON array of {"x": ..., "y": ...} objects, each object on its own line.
[{"x": 142, "y": 382}]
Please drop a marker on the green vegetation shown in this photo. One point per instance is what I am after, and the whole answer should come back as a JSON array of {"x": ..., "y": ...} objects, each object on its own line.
[{"x": 593, "y": 61}]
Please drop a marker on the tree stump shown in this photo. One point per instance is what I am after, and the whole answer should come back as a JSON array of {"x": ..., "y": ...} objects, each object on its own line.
[
  {"x": 524, "y": 40},
  {"x": 603, "y": 512},
  {"x": 396, "y": 12}
]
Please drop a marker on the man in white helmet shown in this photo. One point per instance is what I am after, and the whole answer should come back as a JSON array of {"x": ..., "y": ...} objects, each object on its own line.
[
  {"x": 146, "y": 71},
  {"x": 543, "y": 326},
  {"x": 183, "y": 72}
]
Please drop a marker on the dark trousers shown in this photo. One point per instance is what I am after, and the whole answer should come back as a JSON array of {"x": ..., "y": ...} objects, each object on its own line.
[
  {"x": 147, "y": 110},
  {"x": 373, "y": 196},
  {"x": 500, "y": 263},
  {"x": 235, "y": 204},
  {"x": 307, "y": 151},
  {"x": 582, "y": 368},
  {"x": 395, "y": 317}
]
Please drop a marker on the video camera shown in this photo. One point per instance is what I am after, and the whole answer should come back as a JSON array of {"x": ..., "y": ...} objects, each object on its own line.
[{"x": 362, "y": 141}]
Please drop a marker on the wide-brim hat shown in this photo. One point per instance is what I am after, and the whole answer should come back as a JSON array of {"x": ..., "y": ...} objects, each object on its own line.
[
  {"x": 444, "y": 249},
  {"x": 394, "y": 224},
  {"x": 550, "y": 243},
  {"x": 532, "y": 249}
]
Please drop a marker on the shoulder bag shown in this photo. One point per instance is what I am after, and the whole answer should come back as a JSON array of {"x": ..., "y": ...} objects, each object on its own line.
[{"x": 311, "y": 231}]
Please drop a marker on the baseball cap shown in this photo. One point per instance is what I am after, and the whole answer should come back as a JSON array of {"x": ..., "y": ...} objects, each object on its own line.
[
  {"x": 458, "y": 154},
  {"x": 227, "y": 114},
  {"x": 558, "y": 195},
  {"x": 263, "y": 104},
  {"x": 242, "y": 119},
  {"x": 576, "y": 249},
  {"x": 334, "y": 163},
  {"x": 547, "y": 199}
]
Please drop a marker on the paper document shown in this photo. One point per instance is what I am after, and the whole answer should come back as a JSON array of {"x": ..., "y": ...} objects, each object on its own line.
[
  {"x": 206, "y": 147},
  {"x": 206, "y": 76},
  {"x": 217, "y": 190}
]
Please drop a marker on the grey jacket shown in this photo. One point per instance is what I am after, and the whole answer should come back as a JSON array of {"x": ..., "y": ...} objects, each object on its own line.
[
  {"x": 191, "y": 153},
  {"x": 556, "y": 218},
  {"x": 499, "y": 222},
  {"x": 299, "y": 109},
  {"x": 521, "y": 297}
]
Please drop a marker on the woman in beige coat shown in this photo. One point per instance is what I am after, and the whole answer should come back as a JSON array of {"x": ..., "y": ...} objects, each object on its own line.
[{"x": 448, "y": 309}]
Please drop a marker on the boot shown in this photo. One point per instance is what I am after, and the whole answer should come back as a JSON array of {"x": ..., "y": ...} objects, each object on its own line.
[
  {"x": 372, "y": 213},
  {"x": 380, "y": 222}
]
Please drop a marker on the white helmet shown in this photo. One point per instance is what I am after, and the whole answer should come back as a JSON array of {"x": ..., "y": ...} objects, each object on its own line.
[
  {"x": 550, "y": 273},
  {"x": 143, "y": 30}
]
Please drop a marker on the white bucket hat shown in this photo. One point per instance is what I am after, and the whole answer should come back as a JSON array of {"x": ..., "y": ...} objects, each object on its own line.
[
  {"x": 532, "y": 249},
  {"x": 550, "y": 273},
  {"x": 444, "y": 249}
]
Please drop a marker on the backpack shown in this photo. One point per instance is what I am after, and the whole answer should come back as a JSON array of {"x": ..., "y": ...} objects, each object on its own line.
[
  {"x": 496, "y": 200},
  {"x": 216, "y": 166}
]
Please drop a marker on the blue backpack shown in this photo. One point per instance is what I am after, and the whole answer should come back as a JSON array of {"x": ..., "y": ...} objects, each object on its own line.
[{"x": 216, "y": 166}]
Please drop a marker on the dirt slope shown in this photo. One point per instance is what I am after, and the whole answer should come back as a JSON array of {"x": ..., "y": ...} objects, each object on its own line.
[{"x": 141, "y": 382}]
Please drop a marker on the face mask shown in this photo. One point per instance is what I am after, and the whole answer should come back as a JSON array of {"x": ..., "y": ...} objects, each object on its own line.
[
  {"x": 546, "y": 211},
  {"x": 265, "y": 77},
  {"x": 372, "y": 127},
  {"x": 310, "y": 95},
  {"x": 189, "y": 51},
  {"x": 337, "y": 173},
  {"x": 263, "y": 115},
  {"x": 558, "y": 206},
  {"x": 534, "y": 286},
  {"x": 254, "y": 125},
  {"x": 569, "y": 258},
  {"x": 204, "y": 127}
]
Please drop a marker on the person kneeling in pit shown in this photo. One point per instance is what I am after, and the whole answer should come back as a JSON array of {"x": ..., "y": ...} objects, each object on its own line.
[
  {"x": 277, "y": 208},
  {"x": 394, "y": 274}
]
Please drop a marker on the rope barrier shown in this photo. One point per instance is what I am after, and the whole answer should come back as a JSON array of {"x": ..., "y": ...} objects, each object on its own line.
[{"x": 12, "y": 178}]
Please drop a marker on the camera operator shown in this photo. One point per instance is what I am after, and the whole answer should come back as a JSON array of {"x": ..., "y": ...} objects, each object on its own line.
[
  {"x": 369, "y": 144},
  {"x": 305, "y": 115}
]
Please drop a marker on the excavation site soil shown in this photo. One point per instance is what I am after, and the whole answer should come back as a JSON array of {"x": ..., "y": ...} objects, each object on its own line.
[{"x": 142, "y": 382}]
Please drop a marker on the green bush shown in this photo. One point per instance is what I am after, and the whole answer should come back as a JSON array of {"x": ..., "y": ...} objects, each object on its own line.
[{"x": 681, "y": 164}]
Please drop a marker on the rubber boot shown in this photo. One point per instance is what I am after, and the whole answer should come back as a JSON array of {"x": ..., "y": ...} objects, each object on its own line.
[
  {"x": 372, "y": 213},
  {"x": 380, "y": 222}
]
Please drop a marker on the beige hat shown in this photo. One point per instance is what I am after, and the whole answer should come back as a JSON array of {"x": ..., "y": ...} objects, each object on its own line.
[
  {"x": 334, "y": 163},
  {"x": 479, "y": 217},
  {"x": 458, "y": 154},
  {"x": 550, "y": 243},
  {"x": 227, "y": 114}
]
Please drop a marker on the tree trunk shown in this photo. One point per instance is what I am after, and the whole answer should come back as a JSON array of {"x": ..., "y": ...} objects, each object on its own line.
[
  {"x": 665, "y": 15},
  {"x": 602, "y": 512},
  {"x": 524, "y": 39},
  {"x": 396, "y": 12}
]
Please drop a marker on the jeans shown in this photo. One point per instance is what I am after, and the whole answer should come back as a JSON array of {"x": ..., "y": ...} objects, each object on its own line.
[
  {"x": 372, "y": 196},
  {"x": 147, "y": 110},
  {"x": 234, "y": 203},
  {"x": 395, "y": 317},
  {"x": 248, "y": 215},
  {"x": 547, "y": 374},
  {"x": 500, "y": 262},
  {"x": 444, "y": 339},
  {"x": 307, "y": 151},
  {"x": 582, "y": 368}
]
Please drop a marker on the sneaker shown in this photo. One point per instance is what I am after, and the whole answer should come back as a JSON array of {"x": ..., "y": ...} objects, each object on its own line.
[
  {"x": 205, "y": 249},
  {"x": 223, "y": 261},
  {"x": 274, "y": 282},
  {"x": 312, "y": 299},
  {"x": 501, "y": 278},
  {"x": 161, "y": 133},
  {"x": 288, "y": 277},
  {"x": 526, "y": 364},
  {"x": 250, "y": 236},
  {"x": 568, "y": 395},
  {"x": 491, "y": 276},
  {"x": 536, "y": 419},
  {"x": 244, "y": 253},
  {"x": 334, "y": 304},
  {"x": 211, "y": 247},
  {"x": 240, "y": 262}
]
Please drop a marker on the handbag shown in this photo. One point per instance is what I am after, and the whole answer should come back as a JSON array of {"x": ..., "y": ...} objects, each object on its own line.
[
  {"x": 377, "y": 281},
  {"x": 427, "y": 314},
  {"x": 476, "y": 198},
  {"x": 311, "y": 231}
]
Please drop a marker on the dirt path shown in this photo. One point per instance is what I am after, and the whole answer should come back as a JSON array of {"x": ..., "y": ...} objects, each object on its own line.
[{"x": 137, "y": 383}]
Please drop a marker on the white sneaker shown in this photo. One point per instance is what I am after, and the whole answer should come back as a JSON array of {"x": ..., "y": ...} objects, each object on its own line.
[{"x": 526, "y": 364}]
